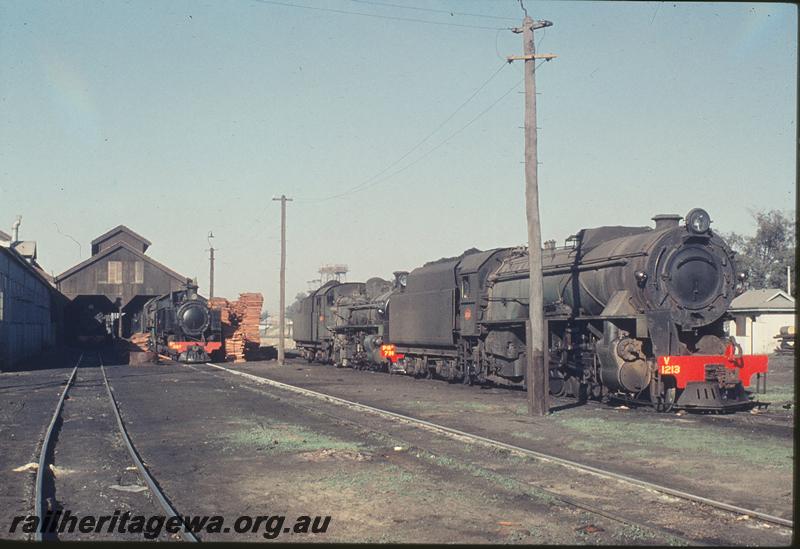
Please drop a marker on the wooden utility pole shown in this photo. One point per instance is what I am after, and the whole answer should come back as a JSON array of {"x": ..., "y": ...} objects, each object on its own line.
[
  {"x": 282, "y": 315},
  {"x": 789, "y": 279},
  {"x": 537, "y": 378},
  {"x": 211, "y": 265}
]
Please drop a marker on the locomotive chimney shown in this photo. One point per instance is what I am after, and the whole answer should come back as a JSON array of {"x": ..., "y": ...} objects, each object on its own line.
[
  {"x": 666, "y": 221},
  {"x": 191, "y": 289},
  {"x": 400, "y": 278}
]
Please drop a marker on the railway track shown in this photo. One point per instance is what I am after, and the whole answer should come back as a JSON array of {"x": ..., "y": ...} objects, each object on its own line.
[
  {"x": 463, "y": 435},
  {"x": 45, "y": 478}
]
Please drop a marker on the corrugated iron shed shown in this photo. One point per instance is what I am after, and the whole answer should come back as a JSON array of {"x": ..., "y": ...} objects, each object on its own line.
[{"x": 29, "y": 319}]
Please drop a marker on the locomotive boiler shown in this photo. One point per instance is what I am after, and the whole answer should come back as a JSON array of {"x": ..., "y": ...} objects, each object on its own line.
[
  {"x": 630, "y": 312},
  {"x": 183, "y": 326}
]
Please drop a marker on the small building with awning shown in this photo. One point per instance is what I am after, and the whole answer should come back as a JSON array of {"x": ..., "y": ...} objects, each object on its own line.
[{"x": 758, "y": 316}]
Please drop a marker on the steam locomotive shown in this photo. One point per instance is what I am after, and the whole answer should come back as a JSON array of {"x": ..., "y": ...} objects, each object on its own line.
[
  {"x": 183, "y": 326},
  {"x": 633, "y": 313}
]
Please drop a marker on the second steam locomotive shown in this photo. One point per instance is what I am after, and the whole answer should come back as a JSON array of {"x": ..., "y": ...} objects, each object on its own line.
[
  {"x": 183, "y": 326},
  {"x": 634, "y": 313}
]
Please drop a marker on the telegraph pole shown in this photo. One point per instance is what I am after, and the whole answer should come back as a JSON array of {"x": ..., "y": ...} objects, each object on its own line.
[
  {"x": 537, "y": 378},
  {"x": 282, "y": 315},
  {"x": 211, "y": 265},
  {"x": 789, "y": 279}
]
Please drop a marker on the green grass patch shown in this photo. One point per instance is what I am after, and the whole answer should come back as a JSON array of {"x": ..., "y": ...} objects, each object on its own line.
[
  {"x": 529, "y": 435},
  {"x": 505, "y": 481},
  {"x": 646, "y": 439},
  {"x": 386, "y": 478},
  {"x": 778, "y": 394},
  {"x": 521, "y": 410},
  {"x": 421, "y": 404},
  {"x": 286, "y": 438},
  {"x": 477, "y": 407}
]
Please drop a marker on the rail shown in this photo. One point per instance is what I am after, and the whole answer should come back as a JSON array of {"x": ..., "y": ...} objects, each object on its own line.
[
  {"x": 47, "y": 447},
  {"x": 149, "y": 480},
  {"x": 39, "y": 505}
]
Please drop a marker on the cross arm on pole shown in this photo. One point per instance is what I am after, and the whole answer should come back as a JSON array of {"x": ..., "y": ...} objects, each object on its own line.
[
  {"x": 545, "y": 56},
  {"x": 535, "y": 25}
]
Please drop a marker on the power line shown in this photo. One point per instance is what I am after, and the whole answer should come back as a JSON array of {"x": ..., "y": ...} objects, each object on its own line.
[
  {"x": 394, "y": 18},
  {"x": 416, "y": 8},
  {"x": 440, "y": 145},
  {"x": 364, "y": 184},
  {"x": 455, "y": 133}
]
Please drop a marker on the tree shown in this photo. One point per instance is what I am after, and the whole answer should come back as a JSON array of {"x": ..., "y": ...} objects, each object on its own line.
[
  {"x": 765, "y": 256},
  {"x": 294, "y": 309},
  {"x": 264, "y": 316}
]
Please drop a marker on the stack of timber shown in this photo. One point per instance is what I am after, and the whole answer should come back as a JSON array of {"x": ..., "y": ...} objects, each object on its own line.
[
  {"x": 240, "y": 318},
  {"x": 139, "y": 349},
  {"x": 141, "y": 340}
]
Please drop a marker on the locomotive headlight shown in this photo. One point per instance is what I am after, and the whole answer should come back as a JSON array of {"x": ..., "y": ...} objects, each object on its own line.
[
  {"x": 698, "y": 221},
  {"x": 741, "y": 277},
  {"x": 641, "y": 278}
]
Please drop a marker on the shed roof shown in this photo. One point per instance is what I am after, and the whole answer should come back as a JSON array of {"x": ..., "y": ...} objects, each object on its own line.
[
  {"x": 108, "y": 251},
  {"x": 33, "y": 267},
  {"x": 115, "y": 231},
  {"x": 5, "y": 236},
  {"x": 767, "y": 300},
  {"x": 25, "y": 248}
]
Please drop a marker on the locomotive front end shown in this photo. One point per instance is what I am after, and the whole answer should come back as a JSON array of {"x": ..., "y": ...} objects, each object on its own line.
[
  {"x": 650, "y": 305},
  {"x": 691, "y": 278},
  {"x": 183, "y": 326},
  {"x": 689, "y": 271}
]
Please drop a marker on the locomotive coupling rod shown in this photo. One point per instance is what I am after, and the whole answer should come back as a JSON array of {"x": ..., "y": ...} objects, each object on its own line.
[{"x": 545, "y": 56}]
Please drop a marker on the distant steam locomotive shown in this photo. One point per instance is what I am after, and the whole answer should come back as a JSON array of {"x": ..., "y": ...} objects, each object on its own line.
[
  {"x": 630, "y": 312},
  {"x": 183, "y": 326}
]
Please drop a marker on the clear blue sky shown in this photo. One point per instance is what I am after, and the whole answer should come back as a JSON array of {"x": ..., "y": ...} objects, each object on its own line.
[{"x": 176, "y": 118}]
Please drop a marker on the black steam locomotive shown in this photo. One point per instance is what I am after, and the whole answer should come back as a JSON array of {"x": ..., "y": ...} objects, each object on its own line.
[
  {"x": 183, "y": 326},
  {"x": 630, "y": 312}
]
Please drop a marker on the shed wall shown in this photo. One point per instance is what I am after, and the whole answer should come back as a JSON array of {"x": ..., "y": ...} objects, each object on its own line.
[
  {"x": 27, "y": 324},
  {"x": 129, "y": 239}
]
